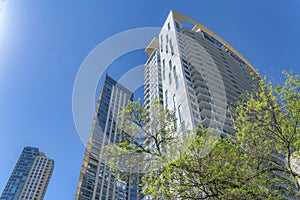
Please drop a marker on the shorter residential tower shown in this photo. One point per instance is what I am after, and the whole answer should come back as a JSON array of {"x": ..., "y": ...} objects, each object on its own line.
[{"x": 30, "y": 177}]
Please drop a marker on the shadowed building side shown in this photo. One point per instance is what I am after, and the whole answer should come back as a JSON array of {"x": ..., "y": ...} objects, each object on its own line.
[{"x": 96, "y": 180}]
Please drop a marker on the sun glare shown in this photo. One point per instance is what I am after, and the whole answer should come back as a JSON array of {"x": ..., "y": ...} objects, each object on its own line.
[
  {"x": 2, "y": 19},
  {"x": 2, "y": 32}
]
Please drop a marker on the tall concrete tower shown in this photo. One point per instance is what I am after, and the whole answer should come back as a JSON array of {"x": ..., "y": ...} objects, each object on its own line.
[
  {"x": 30, "y": 177},
  {"x": 198, "y": 75}
]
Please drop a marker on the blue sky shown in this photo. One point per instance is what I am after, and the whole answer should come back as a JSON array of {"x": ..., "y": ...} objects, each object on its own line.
[{"x": 43, "y": 43}]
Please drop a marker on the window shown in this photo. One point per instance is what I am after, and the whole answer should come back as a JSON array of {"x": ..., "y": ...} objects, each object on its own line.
[
  {"x": 177, "y": 25},
  {"x": 174, "y": 103},
  {"x": 164, "y": 69},
  {"x": 161, "y": 43},
  {"x": 176, "y": 82},
  {"x": 174, "y": 108},
  {"x": 166, "y": 98},
  {"x": 171, "y": 47},
  {"x": 180, "y": 114},
  {"x": 170, "y": 64},
  {"x": 170, "y": 78},
  {"x": 167, "y": 48},
  {"x": 174, "y": 71},
  {"x": 169, "y": 27},
  {"x": 175, "y": 78},
  {"x": 188, "y": 78}
]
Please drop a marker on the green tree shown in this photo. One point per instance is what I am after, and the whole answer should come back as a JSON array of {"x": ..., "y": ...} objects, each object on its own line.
[
  {"x": 267, "y": 124},
  {"x": 223, "y": 174},
  {"x": 146, "y": 140},
  {"x": 257, "y": 164}
]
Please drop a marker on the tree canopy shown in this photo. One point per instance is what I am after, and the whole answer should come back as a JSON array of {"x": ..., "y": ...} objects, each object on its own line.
[{"x": 260, "y": 162}]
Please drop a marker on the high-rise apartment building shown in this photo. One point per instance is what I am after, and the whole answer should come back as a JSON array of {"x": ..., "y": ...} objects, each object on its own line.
[
  {"x": 152, "y": 75},
  {"x": 30, "y": 177},
  {"x": 196, "y": 73},
  {"x": 97, "y": 180},
  {"x": 198, "y": 76}
]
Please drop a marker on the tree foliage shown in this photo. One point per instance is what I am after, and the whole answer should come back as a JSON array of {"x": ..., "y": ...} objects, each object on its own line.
[
  {"x": 259, "y": 163},
  {"x": 267, "y": 123},
  {"x": 146, "y": 139}
]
